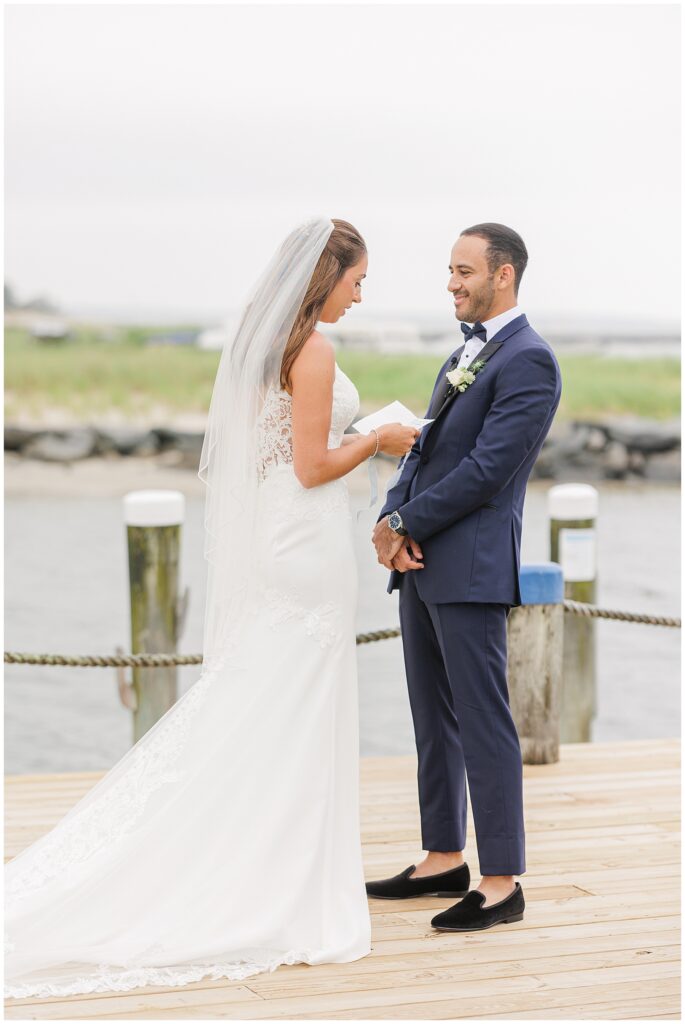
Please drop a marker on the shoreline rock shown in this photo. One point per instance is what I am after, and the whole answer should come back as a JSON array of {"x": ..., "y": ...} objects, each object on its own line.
[{"x": 611, "y": 449}]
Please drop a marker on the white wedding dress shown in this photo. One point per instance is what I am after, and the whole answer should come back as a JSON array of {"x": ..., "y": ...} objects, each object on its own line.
[{"x": 227, "y": 841}]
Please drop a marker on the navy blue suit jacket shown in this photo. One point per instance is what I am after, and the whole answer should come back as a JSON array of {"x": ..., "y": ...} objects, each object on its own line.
[{"x": 462, "y": 487}]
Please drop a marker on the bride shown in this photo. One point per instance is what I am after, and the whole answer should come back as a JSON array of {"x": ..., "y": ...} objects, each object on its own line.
[{"x": 226, "y": 841}]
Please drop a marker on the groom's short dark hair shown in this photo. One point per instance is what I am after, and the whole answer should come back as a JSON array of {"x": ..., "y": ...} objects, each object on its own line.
[{"x": 504, "y": 246}]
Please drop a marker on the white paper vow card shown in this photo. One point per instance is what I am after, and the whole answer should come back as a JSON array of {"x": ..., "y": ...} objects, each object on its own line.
[{"x": 393, "y": 413}]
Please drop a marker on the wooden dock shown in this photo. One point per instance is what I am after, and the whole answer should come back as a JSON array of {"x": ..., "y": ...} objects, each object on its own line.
[{"x": 600, "y": 937}]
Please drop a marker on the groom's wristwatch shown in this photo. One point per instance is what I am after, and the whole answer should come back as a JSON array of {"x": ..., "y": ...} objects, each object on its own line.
[{"x": 395, "y": 523}]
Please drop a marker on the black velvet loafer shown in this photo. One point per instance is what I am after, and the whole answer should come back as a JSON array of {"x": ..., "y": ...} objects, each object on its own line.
[
  {"x": 454, "y": 882},
  {"x": 470, "y": 916}
]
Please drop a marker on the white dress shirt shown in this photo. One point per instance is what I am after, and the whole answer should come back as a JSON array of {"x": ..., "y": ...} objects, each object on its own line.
[{"x": 492, "y": 326}]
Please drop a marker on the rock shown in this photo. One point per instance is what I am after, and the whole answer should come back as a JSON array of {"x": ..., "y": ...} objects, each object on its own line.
[
  {"x": 545, "y": 466},
  {"x": 637, "y": 463},
  {"x": 149, "y": 445},
  {"x": 597, "y": 440},
  {"x": 181, "y": 440},
  {"x": 62, "y": 445},
  {"x": 647, "y": 442},
  {"x": 615, "y": 461},
  {"x": 166, "y": 438},
  {"x": 645, "y": 436},
  {"x": 127, "y": 441},
  {"x": 664, "y": 467},
  {"x": 186, "y": 444},
  {"x": 561, "y": 450},
  {"x": 574, "y": 443},
  {"x": 17, "y": 437},
  {"x": 190, "y": 443}
]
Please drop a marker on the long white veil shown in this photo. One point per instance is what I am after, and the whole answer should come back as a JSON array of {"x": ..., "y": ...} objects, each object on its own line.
[{"x": 250, "y": 363}]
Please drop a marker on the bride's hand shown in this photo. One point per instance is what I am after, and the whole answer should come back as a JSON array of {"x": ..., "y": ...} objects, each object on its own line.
[{"x": 396, "y": 439}]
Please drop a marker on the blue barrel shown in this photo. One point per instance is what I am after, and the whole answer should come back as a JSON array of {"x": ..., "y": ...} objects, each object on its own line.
[{"x": 542, "y": 583}]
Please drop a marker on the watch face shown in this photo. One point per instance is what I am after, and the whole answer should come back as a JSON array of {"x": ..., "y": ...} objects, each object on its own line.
[{"x": 395, "y": 523}]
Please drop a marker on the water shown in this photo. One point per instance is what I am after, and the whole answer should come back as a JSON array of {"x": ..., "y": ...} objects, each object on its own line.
[{"x": 66, "y": 591}]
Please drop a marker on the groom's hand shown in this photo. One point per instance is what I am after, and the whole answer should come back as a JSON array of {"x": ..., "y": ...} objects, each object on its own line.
[
  {"x": 410, "y": 556},
  {"x": 386, "y": 542}
]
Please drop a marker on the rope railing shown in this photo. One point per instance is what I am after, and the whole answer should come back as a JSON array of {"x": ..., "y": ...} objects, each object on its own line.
[
  {"x": 164, "y": 660},
  {"x": 591, "y": 611}
]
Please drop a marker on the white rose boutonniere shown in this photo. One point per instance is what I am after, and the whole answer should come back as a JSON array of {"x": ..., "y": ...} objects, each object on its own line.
[{"x": 461, "y": 379}]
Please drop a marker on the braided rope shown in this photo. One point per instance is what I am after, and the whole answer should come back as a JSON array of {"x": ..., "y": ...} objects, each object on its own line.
[
  {"x": 165, "y": 660},
  {"x": 380, "y": 634},
  {"x": 143, "y": 660},
  {"x": 104, "y": 661},
  {"x": 591, "y": 611}
]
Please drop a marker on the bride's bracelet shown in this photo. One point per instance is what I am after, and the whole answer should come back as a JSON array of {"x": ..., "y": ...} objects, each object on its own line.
[{"x": 378, "y": 442}]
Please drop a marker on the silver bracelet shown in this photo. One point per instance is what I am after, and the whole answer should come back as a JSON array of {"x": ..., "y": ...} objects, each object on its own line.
[{"x": 378, "y": 443}]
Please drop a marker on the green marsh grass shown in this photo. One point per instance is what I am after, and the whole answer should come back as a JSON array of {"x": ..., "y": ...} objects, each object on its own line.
[{"x": 87, "y": 376}]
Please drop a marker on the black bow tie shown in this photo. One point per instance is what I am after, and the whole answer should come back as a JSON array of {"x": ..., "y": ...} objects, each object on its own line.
[{"x": 477, "y": 331}]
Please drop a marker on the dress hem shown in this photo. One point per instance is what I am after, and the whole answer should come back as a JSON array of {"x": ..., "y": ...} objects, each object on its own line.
[{"x": 169, "y": 977}]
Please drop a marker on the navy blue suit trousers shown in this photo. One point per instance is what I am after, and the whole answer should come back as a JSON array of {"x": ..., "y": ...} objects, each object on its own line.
[{"x": 455, "y": 657}]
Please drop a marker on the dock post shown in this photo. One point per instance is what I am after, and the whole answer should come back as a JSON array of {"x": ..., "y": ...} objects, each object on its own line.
[
  {"x": 573, "y": 544},
  {"x": 153, "y": 524},
  {"x": 535, "y": 636}
]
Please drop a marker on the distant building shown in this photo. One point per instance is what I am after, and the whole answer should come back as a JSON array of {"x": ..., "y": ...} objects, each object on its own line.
[
  {"x": 48, "y": 329},
  {"x": 173, "y": 338},
  {"x": 212, "y": 338},
  {"x": 217, "y": 337},
  {"x": 376, "y": 335}
]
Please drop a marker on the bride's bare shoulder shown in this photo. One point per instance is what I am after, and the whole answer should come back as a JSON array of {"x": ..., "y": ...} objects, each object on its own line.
[
  {"x": 317, "y": 354},
  {"x": 319, "y": 346}
]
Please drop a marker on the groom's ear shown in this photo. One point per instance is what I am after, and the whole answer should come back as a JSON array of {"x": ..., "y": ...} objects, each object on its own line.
[{"x": 506, "y": 277}]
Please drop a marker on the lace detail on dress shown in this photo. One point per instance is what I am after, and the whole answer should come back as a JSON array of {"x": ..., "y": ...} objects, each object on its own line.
[
  {"x": 275, "y": 432},
  {"x": 109, "y": 978},
  {"x": 116, "y": 810},
  {"x": 275, "y": 444},
  {"x": 321, "y": 623}
]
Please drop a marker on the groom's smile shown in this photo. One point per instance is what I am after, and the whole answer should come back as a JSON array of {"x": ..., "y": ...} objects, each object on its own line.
[{"x": 488, "y": 292}]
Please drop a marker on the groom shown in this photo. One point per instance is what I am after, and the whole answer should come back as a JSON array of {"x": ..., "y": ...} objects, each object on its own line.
[{"x": 450, "y": 530}]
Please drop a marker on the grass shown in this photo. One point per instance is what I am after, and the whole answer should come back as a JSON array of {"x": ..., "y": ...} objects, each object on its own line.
[
  {"x": 90, "y": 375},
  {"x": 85, "y": 377},
  {"x": 593, "y": 386}
]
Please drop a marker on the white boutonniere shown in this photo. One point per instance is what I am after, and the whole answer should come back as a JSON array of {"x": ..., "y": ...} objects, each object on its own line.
[{"x": 461, "y": 379}]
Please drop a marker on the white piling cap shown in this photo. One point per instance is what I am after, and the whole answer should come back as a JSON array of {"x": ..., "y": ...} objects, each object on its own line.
[
  {"x": 154, "y": 508},
  {"x": 573, "y": 501}
]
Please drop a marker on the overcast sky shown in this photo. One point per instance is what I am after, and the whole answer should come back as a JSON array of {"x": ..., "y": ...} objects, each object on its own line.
[{"x": 155, "y": 155}]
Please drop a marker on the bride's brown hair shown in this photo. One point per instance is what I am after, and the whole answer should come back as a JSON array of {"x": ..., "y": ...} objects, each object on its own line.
[{"x": 344, "y": 249}]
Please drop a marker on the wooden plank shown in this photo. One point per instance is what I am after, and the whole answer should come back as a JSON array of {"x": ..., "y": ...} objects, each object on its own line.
[
  {"x": 466, "y": 966},
  {"x": 405, "y": 1000},
  {"x": 85, "y": 1007},
  {"x": 545, "y": 1006},
  {"x": 593, "y": 943},
  {"x": 270, "y": 987},
  {"x": 552, "y": 912},
  {"x": 621, "y": 1009},
  {"x": 574, "y": 935}
]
